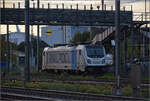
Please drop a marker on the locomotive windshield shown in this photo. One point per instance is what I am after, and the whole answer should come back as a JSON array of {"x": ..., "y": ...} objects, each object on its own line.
[{"x": 95, "y": 51}]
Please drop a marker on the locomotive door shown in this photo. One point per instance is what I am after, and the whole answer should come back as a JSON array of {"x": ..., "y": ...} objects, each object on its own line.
[
  {"x": 74, "y": 60},
  {"x": 80, "y": 65}
]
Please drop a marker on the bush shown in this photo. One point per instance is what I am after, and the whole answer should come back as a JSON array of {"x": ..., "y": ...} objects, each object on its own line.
[
  {"x": 16, "y": 83},
  {"x": 127, "y": 91},
  {"x": 32, "y": 85}
]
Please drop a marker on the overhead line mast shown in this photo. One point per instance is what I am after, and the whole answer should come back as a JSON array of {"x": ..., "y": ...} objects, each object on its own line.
[
  {"x": 117, "y": 48},
  {"x": 27, "y": 45},
  {"x": 38, "y": 41}
]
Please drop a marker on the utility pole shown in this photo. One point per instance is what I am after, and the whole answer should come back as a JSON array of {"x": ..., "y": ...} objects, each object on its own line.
[
  {"x": 4, "y": 9},
  {"x": 31, "y": 45},
  {"x": 3, "y": 3},
  {"x": 132, "y": 37},
  {"x": 117, "y": 48},
  {"x": 27, "y": 48},
  {"x": 8, "y": 50},
  {"x": 145, "y": 9},
  {"x": 125, "y": 50},
  {"x": 38, "y": 53},
  {"x": 144, "y": 46}
]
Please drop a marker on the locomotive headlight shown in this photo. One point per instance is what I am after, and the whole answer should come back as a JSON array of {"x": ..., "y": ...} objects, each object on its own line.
[
  {"x": 103, "y": 61},
  {"x": 89, "y": 61}
]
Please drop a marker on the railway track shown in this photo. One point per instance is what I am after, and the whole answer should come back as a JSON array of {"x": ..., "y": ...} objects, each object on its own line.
[
  {"x": 102, "y": 81},
  {"x": 123, "y": 82},
  {"x": 144, "y": 84},
  {"x": 63, "y": 95},
  {"x": 13, "y": 96}
]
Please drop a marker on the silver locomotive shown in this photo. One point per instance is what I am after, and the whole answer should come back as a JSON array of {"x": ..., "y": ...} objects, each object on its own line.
[{"x": 76, "y": 58}]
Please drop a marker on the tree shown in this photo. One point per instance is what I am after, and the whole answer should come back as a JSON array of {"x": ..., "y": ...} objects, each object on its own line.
[
  {"x": 3, "y": 48},
  {"x": 81, "y": 37},
  {"x": 21, "y": 47},
  {"x": 85, "y": 36},
  {"x": 33, "y": 45}
]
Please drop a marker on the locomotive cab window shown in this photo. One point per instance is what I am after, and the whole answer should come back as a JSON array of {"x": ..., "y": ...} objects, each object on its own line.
[{"x": 95, "y": 51}]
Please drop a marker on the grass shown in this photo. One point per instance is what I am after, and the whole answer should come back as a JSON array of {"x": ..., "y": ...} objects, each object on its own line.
[
  {"x": 78, "y": 77},
  {"x": 107, "y": 76},
  {"x": 63, "y": 76},
  {"x": 97, "y": 89},
  {"x": 146, "y": 78},
  {"x": 145, "y": 95},
  {"x": 14, "y": 84},
  {"x": 69, "y": 76},
  {"x": 88, "y": 88},
  {"x": 127, "y": 91}
]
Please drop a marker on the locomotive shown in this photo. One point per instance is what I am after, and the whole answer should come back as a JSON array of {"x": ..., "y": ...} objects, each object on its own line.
[{"x": 83, "y": 58}]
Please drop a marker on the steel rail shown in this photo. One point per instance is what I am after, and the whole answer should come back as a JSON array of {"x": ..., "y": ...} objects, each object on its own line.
[
  {"x": 144, "y": 83},
  {"x": 65, "y": 94},
  {"x": 12, "y": 96},
  {"x": 103, "y": 81}
]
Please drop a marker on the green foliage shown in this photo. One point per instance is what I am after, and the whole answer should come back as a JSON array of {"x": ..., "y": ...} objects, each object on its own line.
[
  {"x": 145, "y": 93},
  {"x": 77, "y": 77},
  {"x": 146, "y": 78},
  {"x": 98, "y": 89},
  {"x": 76, "y": 38},
  {"x": 3, "y": 48},
  {"x": 33, "y": 45},
  {"x": 15, "y": 72},
  {"x": 129, "y": 46},
  {"x": 76, "y": 87},
  {"x": 43, "y": 75},
  {"x": 128, "y": 50},
  {"x": 32, "y": 85},
  {"x": 81, "y": 37},
  {"x": 21, "y": 47},
  {"x": 107, "y": 76},
  {"x": 85, "y": 36},
  {"x": 16, "y": 83},
  {"x": 127, "y": 91},
  {"x": 69, "y": 76}
]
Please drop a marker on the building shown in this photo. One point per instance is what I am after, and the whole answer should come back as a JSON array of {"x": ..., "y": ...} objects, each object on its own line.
[
  {"x": 16, "y": 37},
  {"x": 60, "y": 34}
]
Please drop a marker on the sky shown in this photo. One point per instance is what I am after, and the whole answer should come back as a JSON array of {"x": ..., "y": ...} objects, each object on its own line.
[{"x": 138, "y": 6}]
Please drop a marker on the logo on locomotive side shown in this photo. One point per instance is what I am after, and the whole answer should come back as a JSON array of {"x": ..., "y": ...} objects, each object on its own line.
[{"x": 49, "y": 32}]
